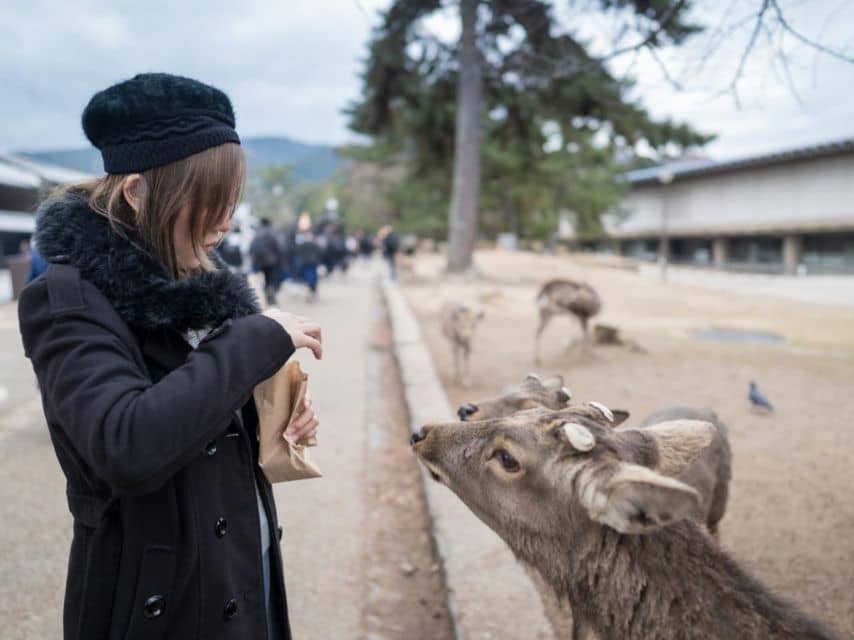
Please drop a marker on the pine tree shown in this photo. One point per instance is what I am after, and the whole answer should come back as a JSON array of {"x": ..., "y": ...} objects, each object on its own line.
[{"x": 518, "y": 99}]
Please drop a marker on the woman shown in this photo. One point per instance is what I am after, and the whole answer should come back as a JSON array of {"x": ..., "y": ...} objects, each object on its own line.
[{"x": 147, "y": 350}]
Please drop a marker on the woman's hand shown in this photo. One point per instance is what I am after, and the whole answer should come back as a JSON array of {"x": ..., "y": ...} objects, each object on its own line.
[
  {"x": 303, "y": 332},
  {"x": 306, "y": 424}
]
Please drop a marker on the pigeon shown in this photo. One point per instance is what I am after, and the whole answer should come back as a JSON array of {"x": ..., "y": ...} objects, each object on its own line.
[{"x": 757, "y": 399}]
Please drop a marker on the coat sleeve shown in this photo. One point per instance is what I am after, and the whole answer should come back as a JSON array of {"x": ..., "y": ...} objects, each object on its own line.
[{"x": 135, "y": 434}]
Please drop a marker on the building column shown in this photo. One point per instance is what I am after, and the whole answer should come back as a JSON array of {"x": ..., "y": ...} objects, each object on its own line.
[
  {"x": 793, "y": 249},
  {"x": 720, "y": 252},
  {"x": 664, "y": 248}
]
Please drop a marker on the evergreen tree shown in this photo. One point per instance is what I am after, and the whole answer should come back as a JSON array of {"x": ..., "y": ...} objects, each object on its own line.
[{"x": 519, "y": 100}]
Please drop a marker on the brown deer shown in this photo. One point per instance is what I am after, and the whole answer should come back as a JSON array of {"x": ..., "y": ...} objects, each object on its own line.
[
  {"x": 560, "y": 297},
  {"x": 458, "y": 325},
  {"x": 597, "y": 512},
  {"x": 532, "y": 392},
  {"x": 709, "y": 474}
]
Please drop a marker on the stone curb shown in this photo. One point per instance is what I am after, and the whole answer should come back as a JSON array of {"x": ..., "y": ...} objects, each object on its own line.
[{"x": 490, "y": 596}]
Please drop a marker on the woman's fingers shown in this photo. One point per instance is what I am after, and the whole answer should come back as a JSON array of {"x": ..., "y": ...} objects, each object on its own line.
[
  {"x": 315, "y": 346},
  {"x": 312, "y": 329}
]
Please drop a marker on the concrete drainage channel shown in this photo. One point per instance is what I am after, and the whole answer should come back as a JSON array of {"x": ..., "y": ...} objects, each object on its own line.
[{"x": 490, "y": 596}]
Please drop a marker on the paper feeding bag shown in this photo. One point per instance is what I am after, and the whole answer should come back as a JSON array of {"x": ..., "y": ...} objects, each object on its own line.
[{"x": 278, "y": 400}]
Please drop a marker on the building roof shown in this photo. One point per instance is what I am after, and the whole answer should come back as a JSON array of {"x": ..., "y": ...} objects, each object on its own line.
[
  {"x": 17, "y": 221},
  {"x": 704, "y": 167},
  {"x": 40, "y": 173},
  {"x": 12, "y": 176}
]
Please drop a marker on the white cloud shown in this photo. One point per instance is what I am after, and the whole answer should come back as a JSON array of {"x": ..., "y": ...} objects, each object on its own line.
[{"x": 291, "y": 67}]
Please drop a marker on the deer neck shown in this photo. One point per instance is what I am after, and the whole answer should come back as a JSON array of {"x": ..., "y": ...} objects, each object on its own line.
[{"x": 673, "y": 583}]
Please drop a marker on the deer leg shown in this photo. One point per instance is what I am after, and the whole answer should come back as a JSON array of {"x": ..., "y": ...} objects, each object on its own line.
[
  {"x": 456, "y": 362},
  {"x": 584, "y": 332},
  {"x": 545, "y": 318},
  {"x": 466, "y": 355}
]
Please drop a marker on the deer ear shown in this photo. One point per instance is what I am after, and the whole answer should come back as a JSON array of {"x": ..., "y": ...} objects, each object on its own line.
[
  {"x": 679, "y": 442},
  {"x": 620, "y": 416},
  {"x": 639, "y": 500}
]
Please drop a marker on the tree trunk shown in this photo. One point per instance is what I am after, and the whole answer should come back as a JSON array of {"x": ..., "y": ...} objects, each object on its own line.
[{"x": 466, "y": 187}]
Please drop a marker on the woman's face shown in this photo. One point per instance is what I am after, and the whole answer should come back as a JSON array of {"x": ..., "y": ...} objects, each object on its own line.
[{"x": 184, "y": 249}]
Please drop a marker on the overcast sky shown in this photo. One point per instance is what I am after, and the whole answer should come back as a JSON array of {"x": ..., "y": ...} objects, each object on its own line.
[{"x": 291, "y": 66}]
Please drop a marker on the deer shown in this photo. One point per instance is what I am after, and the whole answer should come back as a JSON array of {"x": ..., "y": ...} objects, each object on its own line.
[
  {"x": 561, "y": 297},
  {"x": 600, "y": 515},
  {"x": 458, "y": 325},
  {"x": 709, "y": 474},
  {"x": 533, "y": 391}
]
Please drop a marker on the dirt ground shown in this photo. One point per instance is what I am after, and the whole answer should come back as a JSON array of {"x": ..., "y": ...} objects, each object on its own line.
[
  {"x": 404, "y": 588},
  {"x": 791, "y": 512}
]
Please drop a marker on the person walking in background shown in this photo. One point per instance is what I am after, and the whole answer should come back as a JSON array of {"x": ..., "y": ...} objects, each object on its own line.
[
  {"x": 390, "y": 247},
  {"x": 366, "y": 244},
  {"x": 264, "y": 252},
  {"x": 307, "y": 254},
  {"x": 284, "y": 241},
  {"x": 147, "y": 350}
]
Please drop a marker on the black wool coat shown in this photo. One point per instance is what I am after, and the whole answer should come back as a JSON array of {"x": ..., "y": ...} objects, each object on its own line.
[{"x": 157, "y": 441}]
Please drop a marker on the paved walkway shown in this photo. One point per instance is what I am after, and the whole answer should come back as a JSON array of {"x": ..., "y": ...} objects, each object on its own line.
[{"x": 322, "y": 518}]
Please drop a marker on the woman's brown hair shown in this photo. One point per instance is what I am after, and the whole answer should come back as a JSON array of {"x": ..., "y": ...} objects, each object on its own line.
[{"x": 209, "y": 182}]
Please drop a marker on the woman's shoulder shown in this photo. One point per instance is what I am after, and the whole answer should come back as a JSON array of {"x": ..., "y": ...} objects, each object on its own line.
[{"x": 61, "y": 292}]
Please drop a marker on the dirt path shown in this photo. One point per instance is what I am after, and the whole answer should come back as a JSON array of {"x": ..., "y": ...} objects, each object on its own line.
[
  {"x": 791, "y": 511},
  {"x": 403, "y": 581}
]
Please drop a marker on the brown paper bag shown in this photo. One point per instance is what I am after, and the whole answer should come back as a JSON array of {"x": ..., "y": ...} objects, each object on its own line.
[{"x": 278, "y": 398}]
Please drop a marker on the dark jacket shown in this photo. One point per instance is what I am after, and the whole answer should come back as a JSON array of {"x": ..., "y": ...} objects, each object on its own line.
[
  {"x": 157, "y": 441},
  {"x": 390, "y": 245},
  {"x": 264, "y": 249}
]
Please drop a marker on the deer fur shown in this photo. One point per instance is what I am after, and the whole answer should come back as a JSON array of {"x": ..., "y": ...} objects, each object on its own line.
[
  {"x": 532, "y": 392},
  {"x": 709, "y": 474},
  {"x": 458, "y": 325},
  {"x": 566, "y": 297},
  {"x": 607, "y": 531}
]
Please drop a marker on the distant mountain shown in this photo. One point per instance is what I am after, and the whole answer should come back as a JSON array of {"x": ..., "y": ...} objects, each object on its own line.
[{"x": 311, "y": 162}]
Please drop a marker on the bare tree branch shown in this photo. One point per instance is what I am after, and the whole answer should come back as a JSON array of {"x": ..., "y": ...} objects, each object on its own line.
[
  {"x": 664, "y": 71},
  {"x": 733, "y": 85},
  {"x": 785, "y": 63},
  {"x": 802, "y": 38}
]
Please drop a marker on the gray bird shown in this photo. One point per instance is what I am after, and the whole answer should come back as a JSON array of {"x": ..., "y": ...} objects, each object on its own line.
[{"x": 757, "y": 399}]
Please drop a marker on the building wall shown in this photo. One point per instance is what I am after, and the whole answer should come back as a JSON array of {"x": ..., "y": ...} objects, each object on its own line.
[{"x": 808, "y": 195}]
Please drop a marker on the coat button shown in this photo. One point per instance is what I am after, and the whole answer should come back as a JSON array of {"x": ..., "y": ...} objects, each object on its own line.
[
  {"x": 230, "y": 609},
  {"x": 220, "y": 527},
  {"x": 154, "y": 607},
  {"x": 210, "y": 448}
]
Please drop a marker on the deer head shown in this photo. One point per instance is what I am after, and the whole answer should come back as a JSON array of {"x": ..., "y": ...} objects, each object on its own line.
[
  {"x": 464, "y": 321},
  {"x": 545, "y": 472},
  {"x": 533, "y": 392}
]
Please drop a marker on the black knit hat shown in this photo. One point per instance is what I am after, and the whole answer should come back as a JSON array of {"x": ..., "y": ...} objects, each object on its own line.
[{"x": 156, "y": 118}]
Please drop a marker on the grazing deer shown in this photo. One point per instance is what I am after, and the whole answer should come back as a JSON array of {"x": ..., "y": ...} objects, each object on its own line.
[
  {"x": 709, "y": 473},
  {"x": 597, "y": 511},
  {"x": 458, "y": 325},
  {"x": 558, "y": 297}
]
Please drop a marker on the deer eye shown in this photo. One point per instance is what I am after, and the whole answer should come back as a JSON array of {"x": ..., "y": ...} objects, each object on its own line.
[{"x": 507, "y": 461}]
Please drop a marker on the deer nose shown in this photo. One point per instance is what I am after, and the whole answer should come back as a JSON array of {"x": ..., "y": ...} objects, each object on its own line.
[
  {"x": 417, "y": 436},
  {"x": 466, "y": 409}
]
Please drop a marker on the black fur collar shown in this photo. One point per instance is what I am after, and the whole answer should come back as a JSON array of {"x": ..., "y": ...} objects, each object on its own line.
[{"x": 133, "y": 281}]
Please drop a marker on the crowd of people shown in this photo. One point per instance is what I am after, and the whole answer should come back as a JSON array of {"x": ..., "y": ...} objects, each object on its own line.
[{"x": 306, "y": 251}]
